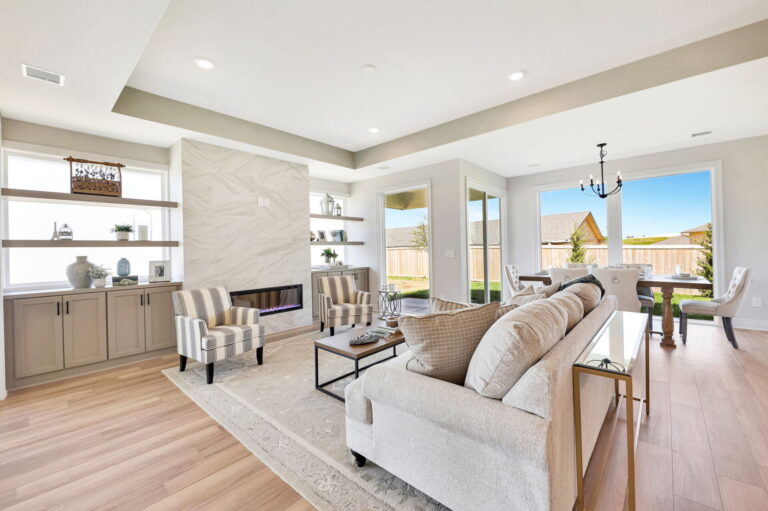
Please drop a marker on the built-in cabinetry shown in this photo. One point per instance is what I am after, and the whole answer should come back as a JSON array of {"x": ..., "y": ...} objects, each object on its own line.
[
  {"x": 360, "y": 275},
  {"x": 49, "y": 334}
]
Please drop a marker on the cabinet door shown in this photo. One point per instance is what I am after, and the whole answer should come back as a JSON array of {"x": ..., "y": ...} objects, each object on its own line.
[
  {"x": 85, "y": 329},
  {"x": 125, "y": 323},
  {"x": 159, "y": 319},
  {"x": 38, "y": 341}
]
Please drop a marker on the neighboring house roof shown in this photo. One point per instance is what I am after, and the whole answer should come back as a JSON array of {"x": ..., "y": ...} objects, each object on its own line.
[
  {"x": 558, "y": 228},
  {"x": 675, "y": 240},
  {"x": 404, "y": 236},
  {"x": 400, "y": 237},
  {"x": 700, "y": 228}
]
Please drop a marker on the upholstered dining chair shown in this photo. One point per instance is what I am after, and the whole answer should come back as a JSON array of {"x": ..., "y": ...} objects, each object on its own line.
[
  {"x": 342, "y": 304},
  {"x": 209, "y": 328},
  {"x": 512, "y": 279},
  {"x": 566, "y": 274},
  {"x": 621, "y": 283},
  {"x": 645, "y": 294},
  {"x": 726, "y": 306}
]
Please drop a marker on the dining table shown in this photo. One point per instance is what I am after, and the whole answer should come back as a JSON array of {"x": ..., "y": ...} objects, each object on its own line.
[{"x": 667, "y": 284}]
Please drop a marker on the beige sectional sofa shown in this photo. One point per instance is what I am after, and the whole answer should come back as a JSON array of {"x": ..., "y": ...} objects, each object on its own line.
[{"x": 471, "y": 452}]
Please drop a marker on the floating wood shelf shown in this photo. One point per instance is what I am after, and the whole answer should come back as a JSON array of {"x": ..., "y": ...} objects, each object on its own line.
[
  {"x": 334, "y": 217},
  {"x": 326, "y": 243},
  {"x": 77, "y": 197},
  {"x": 85, "y": 243}
]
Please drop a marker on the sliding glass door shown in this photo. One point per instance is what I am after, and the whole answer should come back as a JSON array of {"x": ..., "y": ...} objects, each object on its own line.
[{"x": 484, "y": 246}]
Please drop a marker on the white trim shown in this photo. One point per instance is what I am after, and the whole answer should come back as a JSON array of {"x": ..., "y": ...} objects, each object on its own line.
[
  {"x": 381, "y": 249},
  {"x": 750, "y": 324}
]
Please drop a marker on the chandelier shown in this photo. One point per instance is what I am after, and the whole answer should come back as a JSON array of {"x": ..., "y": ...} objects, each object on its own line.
[{"x": 598, "y": 188}]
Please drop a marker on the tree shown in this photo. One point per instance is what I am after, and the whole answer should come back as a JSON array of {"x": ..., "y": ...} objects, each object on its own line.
[
  {"x": 705, "y": 259},
  {"x": 578, "y": 252},
  {"x": 420, "y": 236}
]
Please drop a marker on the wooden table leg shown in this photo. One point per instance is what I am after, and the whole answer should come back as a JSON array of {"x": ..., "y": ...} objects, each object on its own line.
[{"x": 667, "y": 320}]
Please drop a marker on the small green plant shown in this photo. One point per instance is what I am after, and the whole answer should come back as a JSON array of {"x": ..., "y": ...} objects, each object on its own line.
[
  {"x": 329, "y": 254},
  {"x": 99, "y": 272},
  {"x": 122, "y": 228}
]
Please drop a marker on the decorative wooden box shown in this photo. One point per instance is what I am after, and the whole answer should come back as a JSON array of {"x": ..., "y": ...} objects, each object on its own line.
[{"x": 95, "y": 177}]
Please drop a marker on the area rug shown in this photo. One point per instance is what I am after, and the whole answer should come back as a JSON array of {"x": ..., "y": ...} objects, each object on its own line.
[{"x": 298, "y": 432}]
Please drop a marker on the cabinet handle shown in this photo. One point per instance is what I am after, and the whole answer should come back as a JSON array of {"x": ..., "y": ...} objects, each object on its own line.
[
  {"x": 58, "y": 308},
  {"x": 148, "y": 300},
  {"x": 67, "y": 306},
  {"x": 141, "y": 297}
]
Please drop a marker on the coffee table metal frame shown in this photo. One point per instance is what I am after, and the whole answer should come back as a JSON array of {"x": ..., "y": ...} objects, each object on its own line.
[{"x": 321, "y": 386}]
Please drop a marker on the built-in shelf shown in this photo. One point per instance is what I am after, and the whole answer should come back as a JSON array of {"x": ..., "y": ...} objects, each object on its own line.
[
  {"x": 334, "y": 217},
  {"x": 78, "y": 197},
  {"x": 326, "y": 243},
  {"x": 85, "y": 243}
]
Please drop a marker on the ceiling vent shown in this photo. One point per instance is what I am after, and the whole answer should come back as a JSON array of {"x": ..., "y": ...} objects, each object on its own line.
[
  {"x": 701, "y": 134},
  {"x": 42, "y": 74}
]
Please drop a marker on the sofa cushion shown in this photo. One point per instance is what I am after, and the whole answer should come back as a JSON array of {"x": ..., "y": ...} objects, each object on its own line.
[
  {"x": 440, "y": 305},
  {"x": 573, "y": 307},
  {"x": 588, "y": 293},
  {"x": 548, "y": 290},
  {"x": 347, "y": 310},
  {"x": 513, "y": 344},
  {"x": 442, "y": 343},
  {"x": 229, "y": 334}
]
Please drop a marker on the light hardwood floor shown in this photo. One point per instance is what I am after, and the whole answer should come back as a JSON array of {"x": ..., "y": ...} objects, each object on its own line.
[{"x": 127, "y": 438}]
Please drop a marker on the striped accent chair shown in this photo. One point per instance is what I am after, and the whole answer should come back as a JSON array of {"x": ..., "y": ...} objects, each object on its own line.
[
  {"x": 209, "y": 328},
  {"x": 342, "y": 304}
]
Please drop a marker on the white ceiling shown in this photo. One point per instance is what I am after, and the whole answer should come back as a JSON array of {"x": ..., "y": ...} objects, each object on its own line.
[{"x": 294, "y": 65}]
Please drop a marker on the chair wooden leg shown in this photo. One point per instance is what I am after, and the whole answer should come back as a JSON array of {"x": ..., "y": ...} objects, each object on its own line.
[
  {"x": 331, "y": 329},
  {"x": 322, "y": 326},
  {"x": 728, "y": 327},
  {"x": 182, "y": 363},
  {"x": 260, "y": 355},
  {"x": 209, "y": 372}
]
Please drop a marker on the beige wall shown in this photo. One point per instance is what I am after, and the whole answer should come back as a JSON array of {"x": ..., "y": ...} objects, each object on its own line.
[
  {"x": 229, "y": 239},
  {"x": 744, "y": 209}
]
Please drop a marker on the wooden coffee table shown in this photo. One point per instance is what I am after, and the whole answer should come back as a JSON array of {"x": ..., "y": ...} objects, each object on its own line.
[{"x": 339, "y": 345}]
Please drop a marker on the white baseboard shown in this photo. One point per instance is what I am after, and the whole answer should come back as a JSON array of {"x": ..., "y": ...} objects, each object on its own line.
[
  {"x": 751, "y": 324},
  {"x": 3, "y": 394}
]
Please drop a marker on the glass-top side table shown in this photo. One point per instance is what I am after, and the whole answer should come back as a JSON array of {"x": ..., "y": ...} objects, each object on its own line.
[
  {"x": 613, "y": 353},
  {"x": 390, "y": 303}
]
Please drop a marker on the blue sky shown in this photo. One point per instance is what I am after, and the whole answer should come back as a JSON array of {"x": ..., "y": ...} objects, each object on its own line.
[{"x": 650, "y": 207}]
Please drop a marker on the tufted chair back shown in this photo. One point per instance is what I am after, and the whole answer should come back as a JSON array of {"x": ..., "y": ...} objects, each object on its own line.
[
  {"x": 566, "y": 274},
  {"x": 621, "y": 283},
  {"x": 730, "y": 302},
  {"x": 512, "y": 279}
]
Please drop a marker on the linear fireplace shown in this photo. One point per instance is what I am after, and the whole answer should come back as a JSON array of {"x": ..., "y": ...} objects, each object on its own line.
[{"x": 270, "y": 300}]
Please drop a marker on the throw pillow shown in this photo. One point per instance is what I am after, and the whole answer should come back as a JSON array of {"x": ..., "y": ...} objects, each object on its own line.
[
  {"x": 586, "y": 279},
  {"x": 513, "y": 344},
  {"x": 547, "y": 290},
  {"x": 588, "y": 293},
  {"x": 523, "y": 299},
  {"x": 440, "y": 305},
  {"x": 573, "y": 306},
  {"x": 442, "y": 343}
]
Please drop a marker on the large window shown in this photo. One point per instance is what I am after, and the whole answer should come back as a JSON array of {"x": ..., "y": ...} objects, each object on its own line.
[
  {"x": 570, "y": 217},
  {"x": 34, "y": 219}
]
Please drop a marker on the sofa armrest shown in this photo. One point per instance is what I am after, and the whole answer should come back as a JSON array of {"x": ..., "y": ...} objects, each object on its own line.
[
  {"x": 362, "y": 297},
  {"x": 458, "y": 409},
  {"x": 189, "y": 336},
  {"x": 245, "y": 315},
  {"x": 324, "y": 305}
]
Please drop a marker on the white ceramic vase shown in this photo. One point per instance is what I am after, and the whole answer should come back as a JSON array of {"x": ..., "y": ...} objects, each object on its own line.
[
  {"x": 77, "y": 273},
  {"x": 122, "y": 236},
  {"x": 100, "y": 282}
]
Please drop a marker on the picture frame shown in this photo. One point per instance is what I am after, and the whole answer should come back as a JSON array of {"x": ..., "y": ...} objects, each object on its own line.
[
  {"x": 320, "y": 235},
  {"x": 160, "y": 271}
]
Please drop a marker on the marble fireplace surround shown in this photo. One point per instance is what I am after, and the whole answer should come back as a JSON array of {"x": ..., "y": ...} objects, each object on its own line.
[{"x": 245, "y": 223}]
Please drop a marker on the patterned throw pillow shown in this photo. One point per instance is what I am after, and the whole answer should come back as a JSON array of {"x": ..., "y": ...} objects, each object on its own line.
[
  {"x": 442, "y": 343},
  {"x": 440, "y": 305}
]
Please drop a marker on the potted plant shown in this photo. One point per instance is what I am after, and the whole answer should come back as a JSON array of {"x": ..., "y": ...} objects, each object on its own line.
[
  {"x": 329, "y": 254},
  {"x": 99, "y": 275},
  {"x": 122, "y": 231}
]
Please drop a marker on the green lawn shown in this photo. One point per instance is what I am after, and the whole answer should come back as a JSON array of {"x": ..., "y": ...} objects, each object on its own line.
[
  {"x": 676, "y": 298},
  {"x": 643, "y": 241}
]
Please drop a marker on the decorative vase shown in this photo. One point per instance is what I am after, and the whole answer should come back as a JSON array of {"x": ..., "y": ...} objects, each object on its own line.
[
  {"x": 327, "y": 204},
  {"x": 77, "y": 273},
  {"x": 327, "y": 259},
  {"x": 143, "y": 232},
  {"x": 122, "y": 235},
  {"x": 102, "y": 282},
  {"x": 123, "y": 267}
]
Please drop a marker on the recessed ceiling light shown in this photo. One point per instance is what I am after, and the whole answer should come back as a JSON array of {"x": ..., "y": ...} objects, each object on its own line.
[
  {"x": 373, "y": 129},
  {"x": 368, "y": 69},
  {"x": 203, "y": 63},
  {"x": 517, "y": 75}
]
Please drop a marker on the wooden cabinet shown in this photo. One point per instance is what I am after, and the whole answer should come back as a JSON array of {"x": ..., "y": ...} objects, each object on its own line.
[
  {"x": 159, "y": 324},
  {"x": 85, "y": 328},
  {"x": 125, "y": 323},
  {"x": 359, "y": 274},
  {"x": 38, "y": 335}
]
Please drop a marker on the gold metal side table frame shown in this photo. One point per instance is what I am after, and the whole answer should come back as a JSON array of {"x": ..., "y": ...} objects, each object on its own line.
[{"x": 633, "y": 430}]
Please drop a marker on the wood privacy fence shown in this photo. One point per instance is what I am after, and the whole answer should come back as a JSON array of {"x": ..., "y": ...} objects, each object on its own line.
[{"x": 409, "y": 262}]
